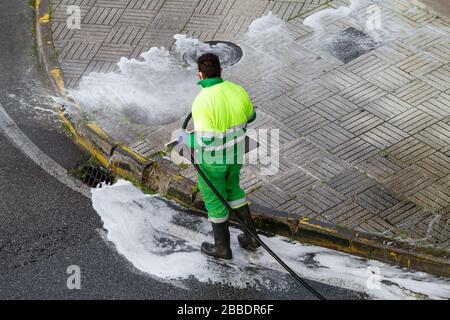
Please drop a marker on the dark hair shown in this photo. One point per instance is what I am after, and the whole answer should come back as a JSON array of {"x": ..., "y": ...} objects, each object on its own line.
[{"x": 209, "y": 65}]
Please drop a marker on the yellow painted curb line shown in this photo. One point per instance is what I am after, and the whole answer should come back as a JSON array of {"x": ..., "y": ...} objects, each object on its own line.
[{"x": 83, "y": 142}]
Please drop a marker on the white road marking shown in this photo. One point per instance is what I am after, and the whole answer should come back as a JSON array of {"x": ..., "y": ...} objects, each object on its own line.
[{"x": 26, "y": 146}]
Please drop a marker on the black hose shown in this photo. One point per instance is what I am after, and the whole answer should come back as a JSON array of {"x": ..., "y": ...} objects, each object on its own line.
[{"x": 246, "y": 228}]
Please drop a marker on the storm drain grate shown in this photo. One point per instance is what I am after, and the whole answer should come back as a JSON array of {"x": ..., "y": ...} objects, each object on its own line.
[
  {"x": 229, "y": 53},
  {"x": 95, "y": 175},
  {"x": 350, "y": 44}
]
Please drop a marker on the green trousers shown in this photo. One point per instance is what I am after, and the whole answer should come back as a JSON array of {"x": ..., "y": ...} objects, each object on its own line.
[{"x": 226, "y": 179}]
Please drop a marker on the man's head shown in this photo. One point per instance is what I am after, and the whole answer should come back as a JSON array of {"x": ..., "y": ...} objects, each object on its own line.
[{"x": 209, "y": 66}]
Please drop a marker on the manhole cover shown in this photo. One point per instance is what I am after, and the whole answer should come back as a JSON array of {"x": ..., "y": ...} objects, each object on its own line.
[
  {"x": 228, "y": 52},
  {"x": 95, "y": 175},
  {"x": 350, "y": 44}
]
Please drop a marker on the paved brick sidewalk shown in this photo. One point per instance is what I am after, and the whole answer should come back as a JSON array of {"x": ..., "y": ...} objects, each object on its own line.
[{"x": 365, "y": 144}]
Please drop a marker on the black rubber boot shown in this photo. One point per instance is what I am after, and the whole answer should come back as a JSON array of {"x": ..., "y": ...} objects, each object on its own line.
[
  {"x": 246, "y": 240},
  {"x": 221, "y": 249}
]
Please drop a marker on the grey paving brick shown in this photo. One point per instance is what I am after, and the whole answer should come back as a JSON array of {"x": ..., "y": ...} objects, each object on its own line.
[
  {"x": 170, "y": 21},
  {"x": 438, "y": 107},
  {"x": 112, "y": 3},
  {"x": 376, "y": 199},
  {"x": 416, "y": 92},
  {"x": 103, "y": 15},
  {"x": 204, "y": 22},
  {"x": 302, "y": 151},
  {"x": 419, "y": 64},
  {"x": 309, "y": 94},
  {"x": 334, "y": 107},
  {"x": 437, "y": 135},
  {"x": 288, "y": 79},
  {"x": 436, "y": 165},
  {"x": 320, "y": 198},
  {"x": 179, "y": 6},
  {"x": 432, "y": 197},
  {"x": 158, "y": 38},
  {"x": 60, "y": 32},
  {"x": 359, "y": 121},
  {"x": 330, "y": 136},
  {"x": 234, "y": 24},
  {"x": 393, "y": 52},
  {"x": 439, "y": 78},
  {"x": 341, "y": 78},
  {"x": 113, "y": 52},
  {"x": 285, "y": 9},
  {"x": 376, "y": 225},
  {"x": 363, "y": 93},
  {"x": 137, "y": 17},
  {"x": 99, "y": 66},
  {"x": 348, "y": 214},
  {"x": 351, "y": 182},
  {"x": 270, "y": 195},
  {"x": 325, "y": 166},
  {"x": 380, "y": 167},
  {"x": 154, "y": 5},
  {"x": 367, "y": 65},
  {"x": 404, "y": 214},
  {"x": 80, "y": 50},
  {"x": 387, "y": 107},
  {"x": 412, "y": 121},
  {"x": 294, "y": 181},
  {"x": 355, "y": 150},
  {"x": 122, "y": 34},
  {"x": 384, "y": 135},
  {"x": 282, "y": 107},
  {"x": 440, "y": 51},
  {"x": 410, "y": 150},
  {"x": 214, "y": 7},
  {"x": 254, "y": 8},
  {"x": 92, "y": 33},
  {"x": 305, "y": 122},
  {"x": 298, "y": 210},
  {"x": 74, "y": 68},
  {"x": 409, "y": 181},
  {"x": 389, "y": 79}
]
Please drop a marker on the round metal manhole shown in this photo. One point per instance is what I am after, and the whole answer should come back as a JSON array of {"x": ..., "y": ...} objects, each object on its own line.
[
  {"x": 95, "y": 175},
  {"x": 228, "y": 52}
]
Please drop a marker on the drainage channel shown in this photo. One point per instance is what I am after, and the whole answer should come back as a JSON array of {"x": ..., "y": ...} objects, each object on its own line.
[{"x": 93, "y": 174}]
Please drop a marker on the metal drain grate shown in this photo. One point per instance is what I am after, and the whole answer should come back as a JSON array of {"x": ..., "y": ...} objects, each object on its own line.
[
  {"x": 228, "y": 52},
  {"x": 95, "y": 175},
  {"x": 350, "y": 44}
]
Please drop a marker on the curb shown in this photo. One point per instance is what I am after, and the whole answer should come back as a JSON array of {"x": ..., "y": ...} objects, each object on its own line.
[{"x": 164, "y": 177}]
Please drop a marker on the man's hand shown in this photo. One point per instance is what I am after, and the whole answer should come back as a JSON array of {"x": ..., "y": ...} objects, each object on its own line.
[{"x": 182, "y": 137}]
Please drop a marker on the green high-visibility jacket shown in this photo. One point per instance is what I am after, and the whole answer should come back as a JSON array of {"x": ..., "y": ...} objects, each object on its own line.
[{"x": 220, "y": 113}]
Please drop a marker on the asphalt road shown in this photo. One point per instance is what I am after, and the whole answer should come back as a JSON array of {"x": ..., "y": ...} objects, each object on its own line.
[{"x": 45, "y": 226}]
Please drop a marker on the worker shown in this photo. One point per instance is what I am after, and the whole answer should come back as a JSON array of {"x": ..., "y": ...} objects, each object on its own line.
[{"x": 220, "y": 114}]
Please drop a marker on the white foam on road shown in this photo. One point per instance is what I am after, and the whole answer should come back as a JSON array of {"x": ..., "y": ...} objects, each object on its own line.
[{"x": 164, "y": 242}]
